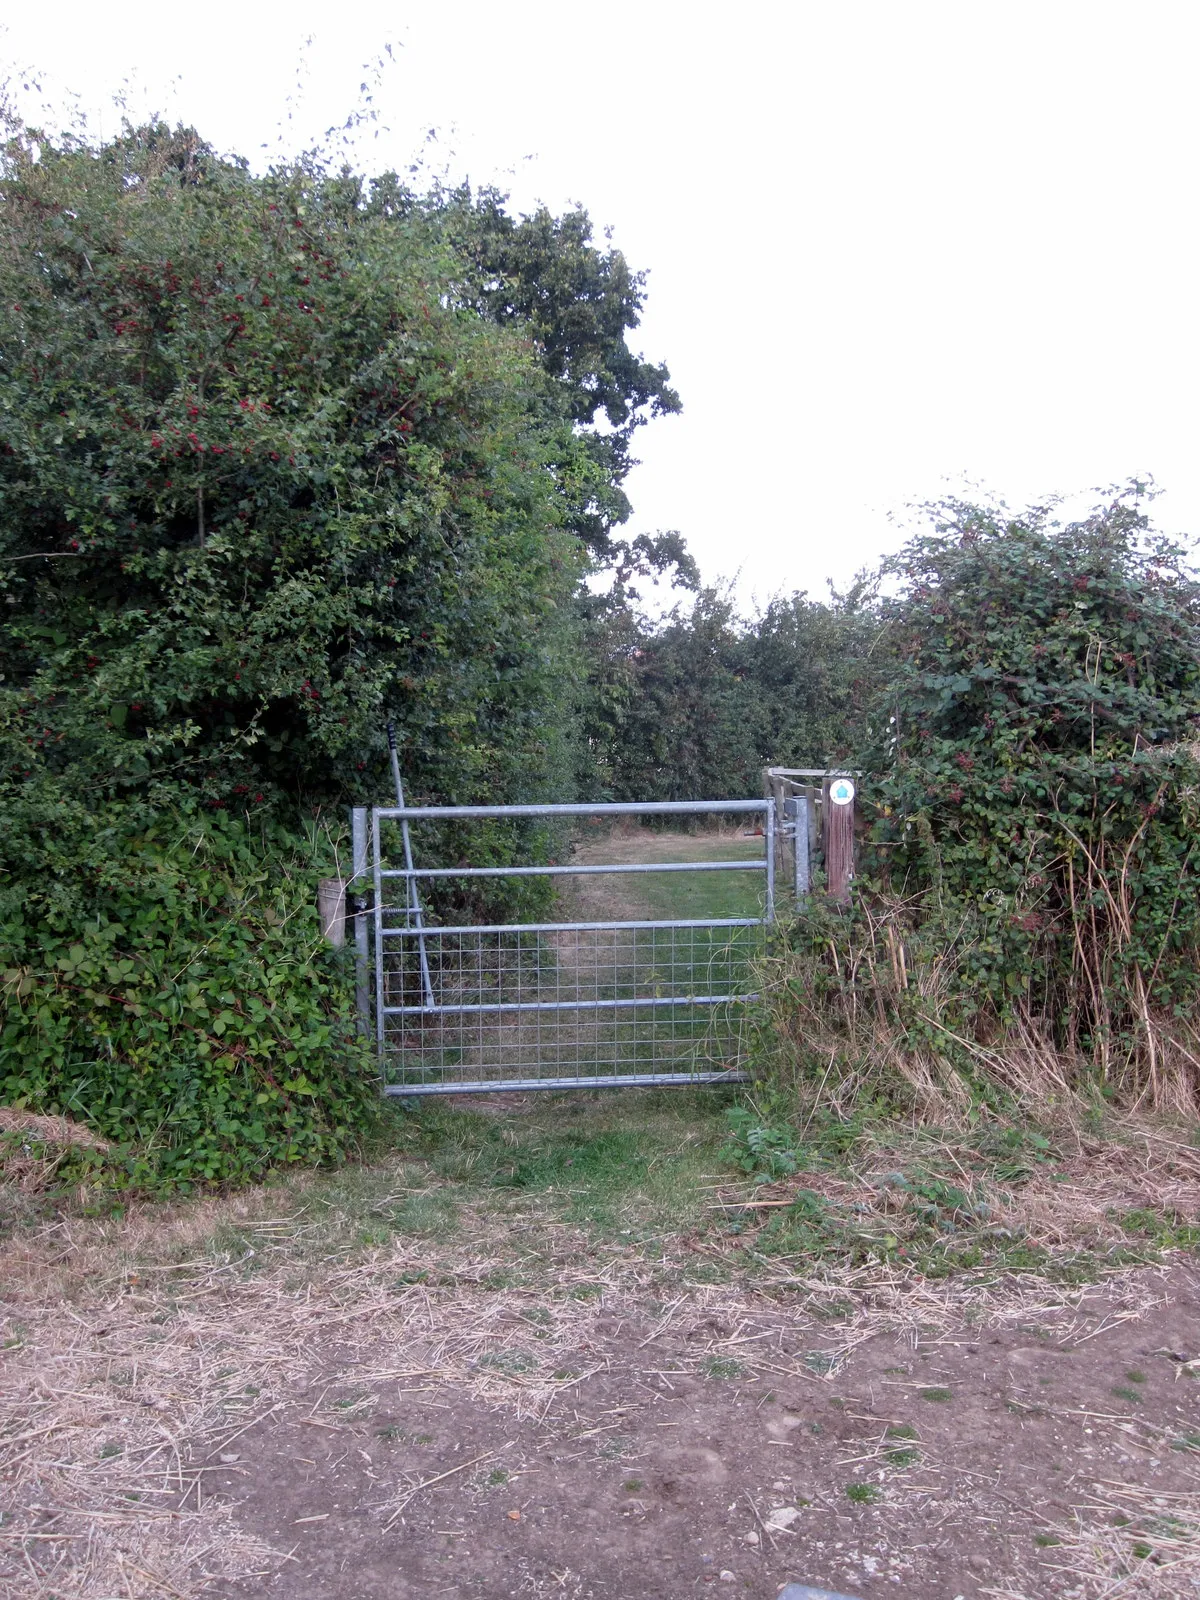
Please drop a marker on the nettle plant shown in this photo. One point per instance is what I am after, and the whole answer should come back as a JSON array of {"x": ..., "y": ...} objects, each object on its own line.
[{"x": 1038, "y": 786}]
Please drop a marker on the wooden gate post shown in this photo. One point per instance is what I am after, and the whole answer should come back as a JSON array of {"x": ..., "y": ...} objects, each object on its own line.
[
  {"x": 331, "y": 906},
  {"x": 837, "y": 807}
]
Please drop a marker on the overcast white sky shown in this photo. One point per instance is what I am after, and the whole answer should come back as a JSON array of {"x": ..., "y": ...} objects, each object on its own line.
[{"x": 891, "y": 244}]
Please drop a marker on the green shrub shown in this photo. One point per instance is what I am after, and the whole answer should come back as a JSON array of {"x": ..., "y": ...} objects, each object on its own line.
[{"x": 165, "y": 982}]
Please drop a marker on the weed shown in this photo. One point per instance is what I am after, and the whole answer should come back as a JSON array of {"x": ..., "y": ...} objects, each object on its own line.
[
  {"x": 497, "y": 1476},
  {"x": 902, "y": 1458},
  {"x": 762, "y": 1149},
  {"x": 723, "y": 1367},
  {"x": 937, "y": 1395},
  {"x": 1045, "y": 1540},
  {"x": 901, "y": 1430},
  {"x": 510, "y": 1362},
  {"x": 1136, "y": 1377},
  {"x": 357, "y": 1406},
  {"x": 109, "y": 1450},
  {"x": 1163, "y": 1233},
  {"x": 1124, "y": 1392},
  {"x": 863, "y": 1494},
  {"x": 632, "y": 1485}
]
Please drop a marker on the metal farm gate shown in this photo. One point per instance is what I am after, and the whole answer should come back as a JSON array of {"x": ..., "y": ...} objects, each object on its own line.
[{"x": 465, "y": 1002}]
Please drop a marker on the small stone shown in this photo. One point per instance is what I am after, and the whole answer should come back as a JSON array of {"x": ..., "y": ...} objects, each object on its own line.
[
  {"x": 229, "y": 1457},
  {"x": 514, "y": 1516},
  {"x": 781, "y": 1519},
  {"x": 728, "y": 1577},
  {"x": 781, "y": 1486},
  {"x": 751, "y": 1537}
]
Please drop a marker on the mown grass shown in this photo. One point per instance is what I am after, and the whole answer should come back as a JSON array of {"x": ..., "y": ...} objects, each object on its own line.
[{"x": 606, "y": 1159}]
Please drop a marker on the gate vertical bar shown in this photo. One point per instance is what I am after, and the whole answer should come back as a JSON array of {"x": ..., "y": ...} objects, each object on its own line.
[
  {"x": 377, "y": 871},
  {"x": 769, "y": 910},
  {"x": 362, "y": 942}
]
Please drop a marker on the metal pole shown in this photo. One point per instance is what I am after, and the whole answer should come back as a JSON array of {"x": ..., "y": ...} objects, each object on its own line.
[
  {"x": 414, "y": 898},
  {"x": 378, "y": 883},
  {"x": 803, "y": 874},
  {"x": 769, "y": 909},
  {"x": 362, "y": 991}
]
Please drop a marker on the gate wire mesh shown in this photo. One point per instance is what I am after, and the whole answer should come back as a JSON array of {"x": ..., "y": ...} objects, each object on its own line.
[{"x": 560, "y": 1004}]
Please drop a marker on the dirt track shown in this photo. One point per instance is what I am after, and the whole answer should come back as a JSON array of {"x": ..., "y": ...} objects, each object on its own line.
[{"x": 448, "y": 1421}]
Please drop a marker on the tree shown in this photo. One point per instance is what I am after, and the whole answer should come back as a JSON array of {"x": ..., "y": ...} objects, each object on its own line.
[{"x": 543, "y": 275}]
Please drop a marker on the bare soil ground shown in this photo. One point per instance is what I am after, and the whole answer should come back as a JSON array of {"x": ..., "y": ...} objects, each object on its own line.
[{"x": 276, "y": 1395}]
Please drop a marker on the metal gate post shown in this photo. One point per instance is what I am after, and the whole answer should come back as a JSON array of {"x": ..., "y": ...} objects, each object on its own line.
[
  {"x": 769, "y": 910},
  {"x": 796, "y": 809},
  {"x": 362, "y": 939},
  {"x": 377, "y": 881}
]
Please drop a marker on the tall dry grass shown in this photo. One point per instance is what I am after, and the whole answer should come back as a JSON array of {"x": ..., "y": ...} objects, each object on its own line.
[{"x": 883, "y": 1003}]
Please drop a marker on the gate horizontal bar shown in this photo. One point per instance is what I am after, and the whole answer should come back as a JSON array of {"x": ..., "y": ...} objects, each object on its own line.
[
  {"x": 758, "y": 864},
  {"x": 641, "y": 1080},
  {"x": 571, "y": 1005},
  {"x": 568, "y": 927},
  {"x": 606, "y": 808}
]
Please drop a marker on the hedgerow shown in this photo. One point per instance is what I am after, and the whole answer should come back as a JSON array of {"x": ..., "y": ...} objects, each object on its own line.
[
  {"x": 164, "y": 980},
  {"x": 272, "y": 473},
  {"x": 1027, "y": 917}
]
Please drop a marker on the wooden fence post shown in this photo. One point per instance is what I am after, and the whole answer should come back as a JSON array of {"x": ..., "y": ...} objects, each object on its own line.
[
  {"x": 837, "y": 806},
  {"x": 331, "y": 908}
]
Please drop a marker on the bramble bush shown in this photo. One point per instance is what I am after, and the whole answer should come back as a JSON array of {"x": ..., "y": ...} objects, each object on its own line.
[{"x": 1027, "y": 918}]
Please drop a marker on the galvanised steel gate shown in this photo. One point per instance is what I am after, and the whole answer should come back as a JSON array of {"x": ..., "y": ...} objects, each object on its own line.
[{"x": 468, "y": 1004}]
